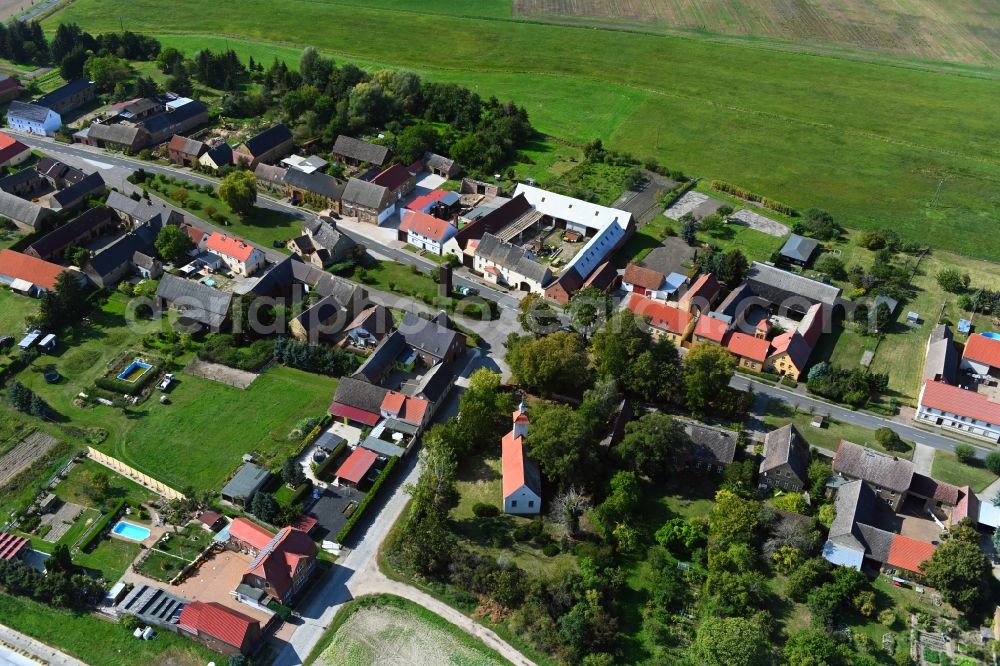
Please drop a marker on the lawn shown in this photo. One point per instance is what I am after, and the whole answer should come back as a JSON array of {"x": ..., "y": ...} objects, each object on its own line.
[
  {"x": 947, "y": 468},
  {"x": 828, "y": 437},
  {"x": 111, "y": 558},
  {"x": 728, "y": 111},
  {"x": 98, "y": 641},
  {"x": 382, "y": 628},
  {"x": 397, "y": 278},
  {"x": 187, "y": 543},
  {"x": 76, "y": 487},
  {"x": 161, "y": 566},
  {"x": 16, "y": 309}
]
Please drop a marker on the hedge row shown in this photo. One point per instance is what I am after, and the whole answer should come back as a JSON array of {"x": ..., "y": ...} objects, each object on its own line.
[
  {"x": 128, "y": 388},
  {"x": 97, "y": 530},
  {"x": 372, "y": 493},
  {"x": 333, "y": 455},
  {"x": 678, "y": 193},
  {"x": 300, "y": 491},
  {"x": 747, "y": 195}
]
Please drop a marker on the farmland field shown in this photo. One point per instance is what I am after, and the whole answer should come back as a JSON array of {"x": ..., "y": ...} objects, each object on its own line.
[
  {"x": 876, "y": 145},
  {"x": 963, "y": 31},
  {"x": 389, "y": 630}
]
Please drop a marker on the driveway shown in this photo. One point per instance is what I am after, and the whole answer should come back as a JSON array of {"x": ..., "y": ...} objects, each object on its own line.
[{"x": 923, "y": 458}]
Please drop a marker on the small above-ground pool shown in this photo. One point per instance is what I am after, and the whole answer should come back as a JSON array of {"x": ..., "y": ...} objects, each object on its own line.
[
  {"x": 134, "y": 370},
  {"x": 209, "y": 283},
  {"x": 131, "y": 531},
  {"x": 991, "y": 335}
]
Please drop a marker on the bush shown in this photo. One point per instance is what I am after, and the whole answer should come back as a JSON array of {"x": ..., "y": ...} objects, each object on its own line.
[
  {"x": 97, "y": 529},
  {"x": 551, "y": 550},
  {"x": 372, "y": 493},
  {"x": 747, "y": 195},
  {"x": 993, "y": 462},
  {"x": 223, "y": 348},
  {"x": 116, "y": 385},
  {"x": 965, "y": 453},
  {"x": 952, "y": 280},
  {"x": 484, "y": 510}
]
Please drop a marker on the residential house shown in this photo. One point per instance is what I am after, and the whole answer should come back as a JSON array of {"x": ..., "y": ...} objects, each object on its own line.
[
  {"x": 314, "y": 188},
  {"x": 246, "y": 483},
  {"x": 788, "y": 355},
  {"x": 33, "y": 118},
  {"x": 370, "y": 203},
  {"x": 653, "y": 284},
  {"x": 12, "y": 151},
  {"x": 433, "y": 340},
  {"x": 981, "y": 356},
  {"x": 701, "y": 296},
  {"x": 751, "y": 351},
  {"x": 108, "y": 266},
  {"x": 712, "y": 449},
  {"x": 10, "y": 88},
  {"x": 283, "y": 567},
  {"x": 69, "y": 96},
  {"x": 198, "y": 237},
  {"x": 319, "y": 321},
  {"x": 68, "y": 198},
  {"x": 665, "y": 321},
  {"x": 79, "y": 231},
  {"x": 219, "y": 628},
  {"x": 28, "y": 216},
  {"x": 510, "y": 265},
  {"x": 941, "y": 359},
  {"x": 398, "y": 180},
  {"x": 799, "y": 250},
  {"x": 239, "y": 256},
  {"x": 268, "y": 146},
  {"x": 270, "y": 178},
  {"x": 425, "y": 231},
  {"x": 26, "y": 274},
  {"x": 408, "y": 409},
  {"x": 355, "y": 152},
  {"x": 442, "y": 166},
  {"x": 370, "y": 327},
  {"x": 962, "y": 410},
  {"x": 200, "y": 306},
  {"x": 888, "y": 476},
  {"x": 710, "y": 329},
  {"x": 147, "y": 265},
  {"x": 522, "y": 483},
  {"x": 786, "y": 460},
  {"x": 216, "y": 157},
  {"x": 321, "y": 244},
  {"x": 143, "y": 212},
  {"x": 184, "y": 151}
]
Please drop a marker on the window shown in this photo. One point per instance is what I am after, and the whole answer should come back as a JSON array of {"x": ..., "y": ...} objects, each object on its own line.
[
  {"x": 513, "y": 504},
  {"x": 531, "y": 504}
]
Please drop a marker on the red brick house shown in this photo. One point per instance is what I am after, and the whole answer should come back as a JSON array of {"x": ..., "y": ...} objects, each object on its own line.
[
  {"x": 219, "y": 628},
  {"x": 283, "y": 566},
  {"x": 184, "y": 151}
]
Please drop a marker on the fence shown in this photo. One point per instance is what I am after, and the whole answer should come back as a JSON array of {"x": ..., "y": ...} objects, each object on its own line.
[{"x": 128, "y": 472}]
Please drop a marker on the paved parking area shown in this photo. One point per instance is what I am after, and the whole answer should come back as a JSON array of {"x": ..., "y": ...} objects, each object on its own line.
[
  {"x": 329, "y": 510},
  {"x": 696, "y": 203}
]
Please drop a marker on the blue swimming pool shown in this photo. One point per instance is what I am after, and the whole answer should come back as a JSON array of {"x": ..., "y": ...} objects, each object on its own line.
[
  {"x": 992, "y": 336},
  {"x": 134, "y": 370},
  {"x": 130, "y": 531}
]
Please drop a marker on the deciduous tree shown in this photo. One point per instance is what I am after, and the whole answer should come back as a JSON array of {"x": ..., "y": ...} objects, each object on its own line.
[{"x": 238, "y": 190}]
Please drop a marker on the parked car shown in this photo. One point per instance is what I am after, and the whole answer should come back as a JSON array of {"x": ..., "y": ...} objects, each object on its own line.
[
  {"x": 468, "y": 291},
  {"x": 167, "y": 380}
]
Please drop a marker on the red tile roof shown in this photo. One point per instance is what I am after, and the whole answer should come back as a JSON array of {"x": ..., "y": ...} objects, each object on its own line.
[
  {"x": 414, "y": 410},
  {"x": 249, "y": 532},
  {"x": 967, "y": 506},
  {"x": 11, "y": 545},
  {"x": 662, "y": 316},
  {"x": 425, "y": 225},
  {"x": 421, "y": 202},
  {"x": 277, "y": 563},
  {"x": 35, "y": 271},
  {"x": 711, "y": 328},
  {"x": 194, "y": 233},
  {"x": 910, "y": 554},
  {"x": 357, "y": 465},
  {"x": 748, "y": 346},
  {"x": 811, "y": 326},
  {"x": 705, "y": 289},
  {"x": 10, "y": 147},
  {"x": 795, "y": 346},
  {"x": 955, "y": 400},
  {"x": 512, "y": 463},
  {"x": 305, "y": 523},
  {"x": 981, "y": 349},
  {"x": 393, "y": 402},
  {"x": 223, "y": 623},
  {"x": 646, "y": 278},
  {"x": 393, "y": 178},
  {"x": 229, "y": 246},
  {"x": 354, "y": 414}
]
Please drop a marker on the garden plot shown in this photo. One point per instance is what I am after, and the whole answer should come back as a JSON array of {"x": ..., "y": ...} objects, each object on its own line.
[
  {"x": 748, "y": 218},
  {"x": 223, "y": 374},
  {"x": 24, "y": 455},
  {"x": 61, "y": 521},
  {"x": 698, "y": 204}
]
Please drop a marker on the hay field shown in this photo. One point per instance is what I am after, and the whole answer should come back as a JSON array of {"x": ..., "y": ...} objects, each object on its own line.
[
  {"x": 960, "y": 31},
  {"x": 389, "y": 631}
]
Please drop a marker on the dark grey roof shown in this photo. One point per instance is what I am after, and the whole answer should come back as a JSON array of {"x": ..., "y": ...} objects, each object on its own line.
[
  {"x": 29, "y": 112},
  {"x": 847, "y": 503},
  {"x": 785, "y": 445},
  {"x": 776, "y": 285},
  {"x": 376, "y": 319},
  {"x": 381, "y": 360},
  {"x": 360, "y": 394},
  {"x": 712, "y": 444},
  {"x": 320, "y": 313},
  {"x": 267, "y": 140},
  {"x": 325, "y": 284},
  {"x": 367, "y": 195},
  {"x": 436, "y": 382},
  {"x": 382, "y": 448},
  {"x": 877, "y": 541},
  {"x": 860, "y": 462},
  {"x": 143, "y": 210},
  {"x": 440, "y": 162},
  {"x": 270, "y": 173},
  {"x": 68, "y": 233},
  {"x": 799, "y": 248},
  {"x": 669, "y": 257},
  {"x": 57, "y": 170},
  {"x": 356, "y": 149},
  {"x": 119, "y": 253},
  {"x": 325, "y": 234},
  {"x": 196, "y": 301},
  {"x": 427, "y": 336},
  {"x": 328, "y": 440},
  {"x": 191, "y": 146},
  {"x": 143, "y": 260},
  {"x": 316, "y": 182},
  {"x": 57, "y": 96},
  {"x": 89, "y": 185},
  {"x": 14, "y": 181},
  {"x": 119, "y": 133},
  {"x": 174, "y": 117},
  {"x": 513, "y": 258},
  {"x": 248, "y": 480},
  {"x": 942, "y": 357},
  {"x": 221, "y": 154},
  {"x": 26, "y": 212}
]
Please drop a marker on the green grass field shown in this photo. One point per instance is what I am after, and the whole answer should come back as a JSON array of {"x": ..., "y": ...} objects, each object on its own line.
[
  {"x": 16, "y": 309},
  {"x": 381, "y": 629},
  {"x": 947, "y": 468},
  {"x": 828, "y": 437},
  {"x": 809, "y": 130}
]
